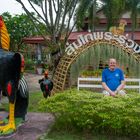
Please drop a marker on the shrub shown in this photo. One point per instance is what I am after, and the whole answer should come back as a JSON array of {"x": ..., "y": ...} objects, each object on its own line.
[
  {"x": 89, "y": 73},
  {"x": 29, "y": 64},
  {"x": 85, "y": 110}
]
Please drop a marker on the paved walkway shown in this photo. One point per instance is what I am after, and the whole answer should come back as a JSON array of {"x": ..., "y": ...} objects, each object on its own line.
[
  {"x": 38, "y": 123},
  {"x": 32, "y": 80}
]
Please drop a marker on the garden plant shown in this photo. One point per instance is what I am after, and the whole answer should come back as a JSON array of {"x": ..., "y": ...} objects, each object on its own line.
[{"x": 95, "y": 113}]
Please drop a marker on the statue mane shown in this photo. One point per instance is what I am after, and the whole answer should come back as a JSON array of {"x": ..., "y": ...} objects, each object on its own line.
[{"x": 4, "y": 36}]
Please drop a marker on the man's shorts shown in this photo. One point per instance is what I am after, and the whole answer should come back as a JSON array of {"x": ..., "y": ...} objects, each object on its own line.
[{"x": 121, "y": 92}]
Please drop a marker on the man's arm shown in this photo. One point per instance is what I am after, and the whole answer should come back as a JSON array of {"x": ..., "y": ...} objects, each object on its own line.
[
  {"x": 108, "y": 89},
  {"x": 121, "y": 86}
]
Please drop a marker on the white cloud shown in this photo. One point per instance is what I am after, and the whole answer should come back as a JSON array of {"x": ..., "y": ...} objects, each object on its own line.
[{"x": 12, "y": 7}]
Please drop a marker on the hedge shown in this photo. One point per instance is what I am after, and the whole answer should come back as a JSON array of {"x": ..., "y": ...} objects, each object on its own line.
[{"x": 85, "y": 110}]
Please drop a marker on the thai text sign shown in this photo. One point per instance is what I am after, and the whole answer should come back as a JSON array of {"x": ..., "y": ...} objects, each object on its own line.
[{"x": 101, "y": 37}]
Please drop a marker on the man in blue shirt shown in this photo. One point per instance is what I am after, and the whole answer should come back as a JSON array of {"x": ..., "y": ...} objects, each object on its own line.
[{"x": 113, "y": 79}]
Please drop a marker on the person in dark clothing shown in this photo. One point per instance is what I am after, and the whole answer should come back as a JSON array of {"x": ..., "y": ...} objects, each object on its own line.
[
  {"x": 101, "y": 65},
  {"x": 46, "y": 85}
]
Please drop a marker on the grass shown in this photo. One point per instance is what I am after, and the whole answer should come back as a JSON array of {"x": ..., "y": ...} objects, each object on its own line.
[
  {"x": 34, "y": 98},
  {"x": 73, "y": 135},
  {"x": 4, "y": 104}
]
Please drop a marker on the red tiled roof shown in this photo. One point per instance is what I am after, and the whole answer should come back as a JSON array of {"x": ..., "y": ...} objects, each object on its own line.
[
  {"x": 136, "y": 35},
  {"x": 34, "y": 40},
  {"x": 73, "y": 36},
  {"x": 104, "y": 21}
]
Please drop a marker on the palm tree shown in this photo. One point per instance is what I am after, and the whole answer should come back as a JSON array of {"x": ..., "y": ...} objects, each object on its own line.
[
  {"x": 86, "y": 11},
  {"x": 134, "y": 7},
  {"x": 113, "y": 10}
]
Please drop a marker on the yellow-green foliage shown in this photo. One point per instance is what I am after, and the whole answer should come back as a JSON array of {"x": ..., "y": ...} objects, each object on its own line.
[
  {"x": 90, "y": 73},
  {"x": 85, "y": 110}
]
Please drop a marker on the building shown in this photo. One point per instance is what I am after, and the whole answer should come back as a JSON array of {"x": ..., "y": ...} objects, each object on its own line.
[{"x": 101, "y": 26}]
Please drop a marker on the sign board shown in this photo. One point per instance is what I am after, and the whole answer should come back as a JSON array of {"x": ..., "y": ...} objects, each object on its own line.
[{"x": 82, "y": 40}]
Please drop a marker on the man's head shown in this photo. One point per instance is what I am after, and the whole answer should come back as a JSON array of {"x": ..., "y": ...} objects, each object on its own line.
[{"x": 112, "y": 63}]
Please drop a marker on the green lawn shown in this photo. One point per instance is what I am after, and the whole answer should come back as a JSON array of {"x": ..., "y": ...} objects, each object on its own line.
[
  {"x": 67, "y": 135},
  {"x": 34, "y": 98}
]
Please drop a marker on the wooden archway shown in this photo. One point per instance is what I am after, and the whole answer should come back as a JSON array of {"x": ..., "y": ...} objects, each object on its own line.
[{"x": 60, "y": 76}]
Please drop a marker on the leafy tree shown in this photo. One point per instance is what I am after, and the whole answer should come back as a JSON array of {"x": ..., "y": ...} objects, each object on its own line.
[
  {"x": 57, "y": 15},
  {"x": 113, "y": 10},
  {"x": 19, "y": 26}
]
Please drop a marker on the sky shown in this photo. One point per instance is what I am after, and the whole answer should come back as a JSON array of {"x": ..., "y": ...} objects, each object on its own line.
[{"x": 12, "y": 7}]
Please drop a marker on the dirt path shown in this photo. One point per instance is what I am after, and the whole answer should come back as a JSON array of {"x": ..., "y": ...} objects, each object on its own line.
[{"x": 37, "y": 123}]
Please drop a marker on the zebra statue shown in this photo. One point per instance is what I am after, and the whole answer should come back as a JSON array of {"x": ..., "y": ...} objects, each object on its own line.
[{"x": 22, "y": 99}]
